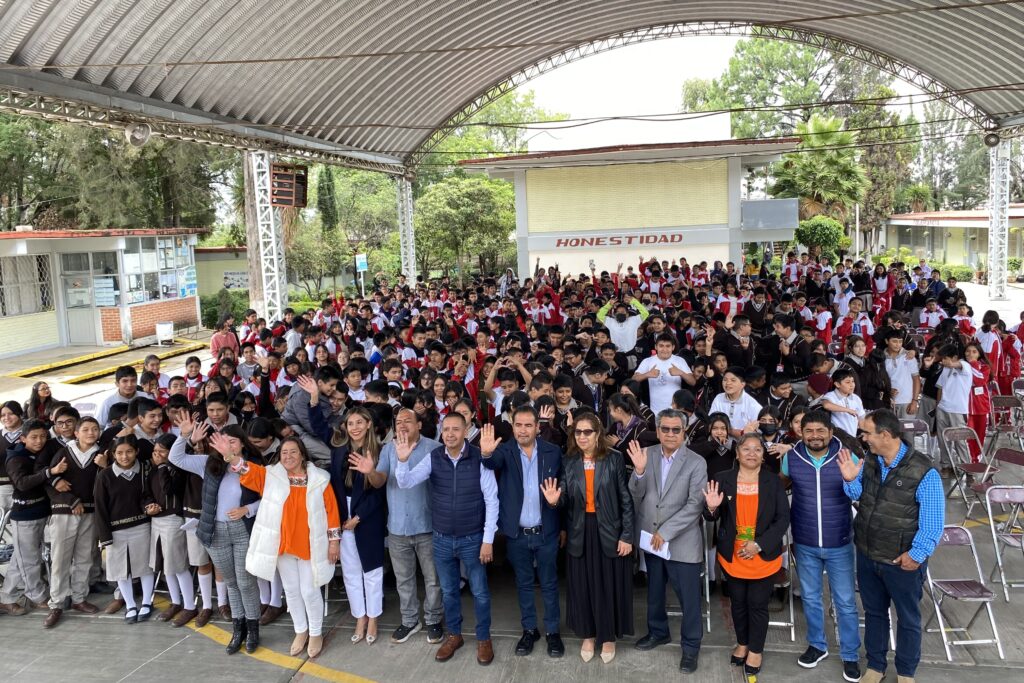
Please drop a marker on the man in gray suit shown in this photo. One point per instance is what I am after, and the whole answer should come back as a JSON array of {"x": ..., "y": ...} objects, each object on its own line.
[{"x": 667, "y": 485}]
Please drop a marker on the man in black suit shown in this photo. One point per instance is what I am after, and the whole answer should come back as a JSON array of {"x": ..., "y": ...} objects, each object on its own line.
[{"x": 529, "y": 520}]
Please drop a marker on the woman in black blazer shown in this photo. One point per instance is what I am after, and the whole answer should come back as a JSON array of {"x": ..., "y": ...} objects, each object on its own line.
[
  {"x": 753, "y": 513},
  {"x": 599, "y": 510}
]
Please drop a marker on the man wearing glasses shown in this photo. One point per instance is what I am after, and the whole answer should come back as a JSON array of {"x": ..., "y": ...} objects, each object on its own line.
[{"x": 667, "y": 484}]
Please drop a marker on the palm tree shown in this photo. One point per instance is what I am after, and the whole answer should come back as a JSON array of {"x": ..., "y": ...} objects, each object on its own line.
[{"x": 824, "y": 174}]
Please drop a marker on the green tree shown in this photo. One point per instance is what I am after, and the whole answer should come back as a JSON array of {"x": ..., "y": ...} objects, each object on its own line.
[
  {"x": 312, "y": 260},
  {"x": 886, "y": 159},
  {"x": 824, "y": 174},
  {"x": 458, "y": 217},
  {"x": 326, "y": 203},
  {"x": 820, "y": 234}
]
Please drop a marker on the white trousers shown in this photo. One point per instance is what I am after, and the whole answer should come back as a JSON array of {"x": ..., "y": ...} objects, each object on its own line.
[
  {"x": 305, "y": 602},
  {"x": 365, "y": 590}
]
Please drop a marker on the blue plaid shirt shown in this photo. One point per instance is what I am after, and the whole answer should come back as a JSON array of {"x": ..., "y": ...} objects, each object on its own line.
[{"x": 931, "y": 499}]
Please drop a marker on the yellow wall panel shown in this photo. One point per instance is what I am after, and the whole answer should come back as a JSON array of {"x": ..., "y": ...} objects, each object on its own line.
[
  {"x": 628, "y": 196},
  {"x": 26, "y": 332}
]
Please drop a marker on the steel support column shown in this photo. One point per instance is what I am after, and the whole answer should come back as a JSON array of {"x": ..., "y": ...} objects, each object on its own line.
[
  {"x": 268, "y": 221},
  {"x": 999, "y": 210},
  {"x": 405, "y": 229}
]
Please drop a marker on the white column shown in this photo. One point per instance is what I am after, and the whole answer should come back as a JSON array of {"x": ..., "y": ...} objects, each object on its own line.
[
  {"x": 406, "y": 229},
  {"x": 999, "y": 209},
  {"x": 271, "y": 244},
  {"x": 523, "y": 265}
]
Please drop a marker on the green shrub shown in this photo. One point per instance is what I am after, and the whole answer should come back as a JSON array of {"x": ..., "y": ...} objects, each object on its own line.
[
  {"x": 1013, "y": 263},
  {"x": 212, "y": 307}
]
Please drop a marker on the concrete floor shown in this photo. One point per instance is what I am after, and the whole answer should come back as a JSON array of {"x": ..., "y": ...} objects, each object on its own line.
[{"x": 105, "y": 649}]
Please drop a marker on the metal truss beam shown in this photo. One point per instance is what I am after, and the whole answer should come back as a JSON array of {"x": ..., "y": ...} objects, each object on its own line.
[
  {"x": 406, "y": 230},
  {"x": 999, "y": 214},
  {"x": 704, "y": 28},
  {"x": 27, "y": 103},
  {"x": 268, "y": 223}
]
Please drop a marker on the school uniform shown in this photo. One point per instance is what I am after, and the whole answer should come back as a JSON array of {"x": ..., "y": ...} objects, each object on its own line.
[
  {"x": 72, "y": 537},
  {"x": 30, "y": 511},
  {"x": 122, "y": 526},
  {"x": 8, "y": 440},
  {"x": 167, "y": 540}
]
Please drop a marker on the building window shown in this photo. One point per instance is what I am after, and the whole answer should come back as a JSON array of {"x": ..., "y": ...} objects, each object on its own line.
[
  {"x": 25, "y": 285},
  {"x": 156, "y": 268}
]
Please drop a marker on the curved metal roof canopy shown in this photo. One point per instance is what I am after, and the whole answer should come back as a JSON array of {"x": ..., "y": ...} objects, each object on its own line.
[{"x": 375, "y": 84}]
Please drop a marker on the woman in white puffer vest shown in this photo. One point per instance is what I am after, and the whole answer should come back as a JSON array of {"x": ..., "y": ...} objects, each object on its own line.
[{"x": 297, "y": 532}]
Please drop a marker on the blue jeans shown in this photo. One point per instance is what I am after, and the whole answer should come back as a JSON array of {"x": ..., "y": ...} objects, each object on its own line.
[
  {"x": 882, "y": 583},
  {"x": 522, "y": 552},
  {"x": 448, "y": 552},
  {"x": 838, "y": 562}
]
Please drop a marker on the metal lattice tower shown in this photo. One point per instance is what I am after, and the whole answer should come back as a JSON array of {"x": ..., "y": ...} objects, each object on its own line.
[
  {"x": 998, "y": 207},
  {"x": 405, "y": 228},
  {"x": 268, "y": 223}
]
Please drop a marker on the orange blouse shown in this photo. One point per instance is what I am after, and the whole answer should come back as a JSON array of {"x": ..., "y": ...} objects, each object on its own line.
[
  {"x": 588, "y": 475},
  {"x": 294, "y": 520},
  {"x": 746, "y": 524}
]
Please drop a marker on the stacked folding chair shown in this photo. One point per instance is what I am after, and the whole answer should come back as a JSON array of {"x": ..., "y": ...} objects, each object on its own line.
[{"x": 1007, "y": 531}]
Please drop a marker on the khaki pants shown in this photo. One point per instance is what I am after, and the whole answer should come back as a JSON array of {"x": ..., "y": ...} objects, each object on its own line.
[
  {"x": 942, "y": 421},
  {"x": 72, "y": 539},
  {"x": 26, "y": 575}
]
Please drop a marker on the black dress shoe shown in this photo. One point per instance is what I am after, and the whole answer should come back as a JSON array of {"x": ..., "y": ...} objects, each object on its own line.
[
  {"x": 555, "y": 646},
  {"x": 688, "y": 663},
  {"x": 525, "y": 644},
  {"x": 649, "y": 642}
]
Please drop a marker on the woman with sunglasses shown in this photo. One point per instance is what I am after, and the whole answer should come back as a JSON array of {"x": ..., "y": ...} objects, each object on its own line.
[
  {"x": 753, "y": 513},
  {"x": 600, "y": 539}
]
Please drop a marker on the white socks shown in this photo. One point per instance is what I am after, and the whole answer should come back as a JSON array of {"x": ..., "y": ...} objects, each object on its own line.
[
  {"x": 125, "y": 586},
  {"x": 206, "y": 589},
  {"x": 185, "y": 589},
  {"x": 222, "y": 593},
  {"x": 148, "y": 582}
]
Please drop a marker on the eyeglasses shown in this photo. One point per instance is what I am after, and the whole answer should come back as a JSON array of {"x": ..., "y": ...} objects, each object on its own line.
[
  {"x": 64, "y": 423},
  {"x": 584, "y": 432},
  {"x": 670, "y": 430}
]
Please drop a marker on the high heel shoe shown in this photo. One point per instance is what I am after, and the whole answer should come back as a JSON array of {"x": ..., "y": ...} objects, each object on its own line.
[
  {"x": 750, "y": 673},
  {"x": 371, "y": 638},
  {"x": 360, "y": 631},
  {"x": 316, "y": 645},
  {"x": 737, "y": 661}
]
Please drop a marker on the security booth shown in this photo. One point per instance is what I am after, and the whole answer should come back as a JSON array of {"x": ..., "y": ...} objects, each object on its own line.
[{"x": 95, "y": 287}]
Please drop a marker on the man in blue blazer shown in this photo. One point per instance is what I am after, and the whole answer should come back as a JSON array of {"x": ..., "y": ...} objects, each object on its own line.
[{"x": 529, "y": 521}]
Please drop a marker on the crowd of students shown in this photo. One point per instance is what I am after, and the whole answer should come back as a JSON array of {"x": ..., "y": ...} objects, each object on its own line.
[{"x": 414, "y": 424}]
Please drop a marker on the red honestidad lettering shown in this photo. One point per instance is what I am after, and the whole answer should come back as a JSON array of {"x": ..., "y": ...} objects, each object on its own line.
[{"x": 617, "y": 241}]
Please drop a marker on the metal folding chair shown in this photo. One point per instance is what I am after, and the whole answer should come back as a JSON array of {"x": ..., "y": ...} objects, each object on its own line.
[
  {"x": 1018, "y": 387},
  {"x": 993, "y": 388},
  {"x": 1005, "y": 418},
  {"x": 1008, "y": 533},
  {"x": 914, "y": 428},
  {"x": 836, "y": 348},
  {"x": 961, "y": 590},
  {"x": 784, "y": 579},
  {"x": 962, "y": 465}
]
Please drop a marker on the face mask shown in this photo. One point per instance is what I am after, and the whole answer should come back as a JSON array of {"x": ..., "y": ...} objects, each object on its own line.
[
  {"x": 769, "y": 429},
  {"x": 621, "y": 317}
]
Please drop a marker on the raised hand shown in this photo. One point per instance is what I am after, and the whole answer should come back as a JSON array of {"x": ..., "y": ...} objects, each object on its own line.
[
  {"x": 403, "y": 447},
  {"x": 552, "y": 492},
  {"x": 185, "y": 423},
  {"x": 546, "y": 413},
  {"x": 60, "y": 467},
  {"x": 222, "y": 445},
  {"x": 847, "y": 467},
  {"x": 100, "y": 459},
  {"x": 361, "y": 463},
  {"x": 712, "y": 495},
  {"x": 639, "y": 457},
  {"x": 488, "y": 443},
  {"x": 199, "y": 433},
  {"x": 309, "y": 385}
]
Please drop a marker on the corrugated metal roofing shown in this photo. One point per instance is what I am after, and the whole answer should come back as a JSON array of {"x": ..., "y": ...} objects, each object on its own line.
[{"x": 394, "y": 71}]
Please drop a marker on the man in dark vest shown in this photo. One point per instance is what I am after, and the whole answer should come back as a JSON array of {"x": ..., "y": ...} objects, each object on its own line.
[
  {"x": 898, "y": 525},
  {"x": 821, "y": 520},
  {"x": 464, "y": 508}
]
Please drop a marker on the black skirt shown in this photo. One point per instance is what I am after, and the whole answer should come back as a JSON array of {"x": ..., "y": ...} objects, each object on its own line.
[{"x": 600, "y": 590}]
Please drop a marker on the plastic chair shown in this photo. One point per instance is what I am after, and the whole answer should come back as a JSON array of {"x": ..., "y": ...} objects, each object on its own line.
[
  {"x": 961, "y": 590},
  {"x": 962, "y": 465},
  {"x": 1008, "y": 533}
]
